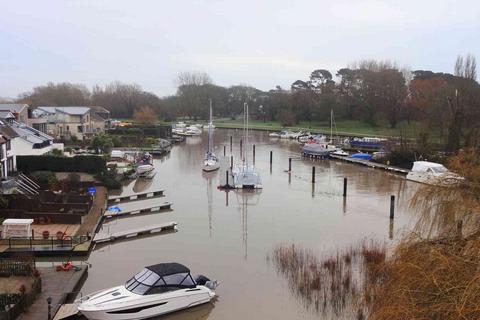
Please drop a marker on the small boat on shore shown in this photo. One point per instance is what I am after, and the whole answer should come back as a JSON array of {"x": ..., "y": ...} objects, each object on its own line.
[
  {"x": 156, "y": 290},
  {"x": 432, "y": 173}
]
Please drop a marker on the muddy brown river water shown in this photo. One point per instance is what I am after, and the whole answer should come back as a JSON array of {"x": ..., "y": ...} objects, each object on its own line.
[{"x": 230, "y": 236}]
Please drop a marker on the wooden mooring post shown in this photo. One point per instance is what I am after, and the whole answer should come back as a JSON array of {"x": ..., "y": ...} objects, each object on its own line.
[
  {"x": 271, "y": 158},
  {"x": 226, "y": 178},
  {"x": 224, "y": 151},
  {"x": 231, "y": 162},
  {"x": 253, "y": 153},
  {"x": 313, "y": 174},
  {"x": 241, "y": 148},
  {"x": 289, "y": 164},
  {"x": 392, "y": 207},
  {"x": 344, "y": 187},
  {"x": 231, "y": 143}
]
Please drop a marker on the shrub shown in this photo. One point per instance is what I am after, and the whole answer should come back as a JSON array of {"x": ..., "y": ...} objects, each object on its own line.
[{"x": 43, "y": 176}]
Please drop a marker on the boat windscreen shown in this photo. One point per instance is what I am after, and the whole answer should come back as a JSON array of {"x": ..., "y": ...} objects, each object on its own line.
[
  {"x": 146, "y": 281},
  {"x": 439, "y": 169}
]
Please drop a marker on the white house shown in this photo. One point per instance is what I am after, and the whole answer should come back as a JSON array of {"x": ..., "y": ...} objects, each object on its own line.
[
  {"x": 8, "y": 160},
  {"x": 25, "y": 140}
]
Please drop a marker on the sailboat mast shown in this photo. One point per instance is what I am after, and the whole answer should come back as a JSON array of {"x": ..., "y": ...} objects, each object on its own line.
[
  {"x": 246, "y": 136},
  {"x": 331, "y": 125},
  {"x": 209, "y": 143}
]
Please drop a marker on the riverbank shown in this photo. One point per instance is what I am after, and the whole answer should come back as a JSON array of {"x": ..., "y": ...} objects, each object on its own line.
[{"x": 347, "y": 128}]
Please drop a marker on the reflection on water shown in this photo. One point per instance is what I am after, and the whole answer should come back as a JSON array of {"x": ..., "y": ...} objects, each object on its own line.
[
  {"x": 200, "y": 312},
  {"x": 141, "y": 185},
  {"x": 227, "y": 235}
]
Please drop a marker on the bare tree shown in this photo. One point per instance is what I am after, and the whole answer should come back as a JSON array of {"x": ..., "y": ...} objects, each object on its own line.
[
  {"x": 466, "y": 67},
  {"x": 193, "y": 78}
]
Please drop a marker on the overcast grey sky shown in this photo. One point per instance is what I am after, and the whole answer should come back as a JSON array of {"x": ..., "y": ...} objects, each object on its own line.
[{"x": 261, "y": 43}]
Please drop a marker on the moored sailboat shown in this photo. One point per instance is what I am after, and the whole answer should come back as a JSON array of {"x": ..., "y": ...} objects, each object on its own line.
[
  {"x": 211, "y": 162},
  {"x": 244, "y": 175}
]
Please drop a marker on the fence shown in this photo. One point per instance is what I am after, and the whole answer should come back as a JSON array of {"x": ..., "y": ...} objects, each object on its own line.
[
  {"x": 10, "y": 267},
  {"x": 12, "y": 305},
  {"x": 51, "y": 244}
]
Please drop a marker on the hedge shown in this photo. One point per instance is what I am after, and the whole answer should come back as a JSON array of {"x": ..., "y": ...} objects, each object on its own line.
[{"x": 90, "y": 164}]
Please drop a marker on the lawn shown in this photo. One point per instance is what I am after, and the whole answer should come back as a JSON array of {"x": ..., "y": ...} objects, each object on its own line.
[{"x": 343, "y": 127}]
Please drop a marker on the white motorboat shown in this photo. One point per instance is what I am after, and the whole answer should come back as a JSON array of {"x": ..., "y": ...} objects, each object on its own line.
[
  {"x": 244, "y": 175},
  {"x": 340, "y": 152},
  {"x": 145, "y": 170},
  {"x": 211, "y": 162},
  {"x": 154, "y": 291},
  {"x": 209, "y": 125},
  {"x": 274, "y": 134},
  {"x": 432, "y": 173},
  {"x": 192, "y": 131},
  {"x": 286, "y": 134}
]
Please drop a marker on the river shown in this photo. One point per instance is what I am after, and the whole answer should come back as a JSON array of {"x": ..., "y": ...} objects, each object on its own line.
[{"x": 230, "y": 236}]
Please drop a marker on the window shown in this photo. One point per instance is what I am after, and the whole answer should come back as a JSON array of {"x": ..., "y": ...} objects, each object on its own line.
[
  {"x": 68, "y": 129},
  {"x": 9, "y": 145},
  {"x": 10, "y": 167},
  {"x": 80, "y": 129}
]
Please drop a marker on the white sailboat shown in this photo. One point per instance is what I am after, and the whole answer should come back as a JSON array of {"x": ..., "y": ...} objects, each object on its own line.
[
  {"x": 244, "y": 175},
  {"x": 211, "y": 162}
]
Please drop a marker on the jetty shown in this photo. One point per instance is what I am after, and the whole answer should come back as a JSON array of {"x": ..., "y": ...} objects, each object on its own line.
[
  {"x": 371, "y": 164},
  {"x": 136, "y": 197},
  {"x": 104, "y": 237},
  {"x": 157, "y": 208}
]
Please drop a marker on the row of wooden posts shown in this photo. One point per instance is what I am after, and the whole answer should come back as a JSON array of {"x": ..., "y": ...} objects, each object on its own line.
[{"x": 345, "y": 180}]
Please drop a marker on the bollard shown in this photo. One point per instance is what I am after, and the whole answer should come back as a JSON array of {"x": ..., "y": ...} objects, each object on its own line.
[
  {"x": 226, "y": 175},
  {"x": 253, "y": 153},
  {"x": 224, "y": 151},
  {"x": 313, "y": 174},
  {"x": 392, "y": 206},
  {"x": 344, "y": 187},
  {"x": 231, "y": 162},
  {"x": 289, "y": 164},
  {"x": 390, "y": 230},
  {"x": 231, "y": 143}
]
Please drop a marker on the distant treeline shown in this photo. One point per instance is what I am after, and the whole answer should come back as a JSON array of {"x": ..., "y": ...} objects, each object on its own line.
[{"x": 370, "y": 91}]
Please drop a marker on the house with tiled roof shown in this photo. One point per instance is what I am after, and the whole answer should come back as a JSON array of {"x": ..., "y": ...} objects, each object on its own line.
[
  {"x": 18, "y": 110},
  {"x": 81, "y": 122}
]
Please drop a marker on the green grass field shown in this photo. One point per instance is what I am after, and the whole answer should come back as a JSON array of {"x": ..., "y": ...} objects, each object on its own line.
[{"x": 343, "y": 127}]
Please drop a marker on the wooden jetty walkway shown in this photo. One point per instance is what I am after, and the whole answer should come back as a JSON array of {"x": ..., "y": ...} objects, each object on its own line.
[
  {"x": 372, "y": 164},
  {"x": 103, "y": 237},
  {"x": 136, "y": 196},
  {"x": 157, "y": 208}
]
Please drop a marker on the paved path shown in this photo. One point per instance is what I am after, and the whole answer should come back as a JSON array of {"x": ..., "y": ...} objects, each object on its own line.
[
  {"x": 98, "y": 207},
  {"x": 55, "y": 284}
]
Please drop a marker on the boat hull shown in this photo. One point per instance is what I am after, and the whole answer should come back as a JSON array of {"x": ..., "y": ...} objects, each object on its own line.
[
  {"x": 149, "y": 306},
  {"x": 211, "y": 167}
]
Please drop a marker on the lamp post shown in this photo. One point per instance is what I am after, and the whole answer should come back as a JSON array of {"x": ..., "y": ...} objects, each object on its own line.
[{"x": 49, "y": 301}]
